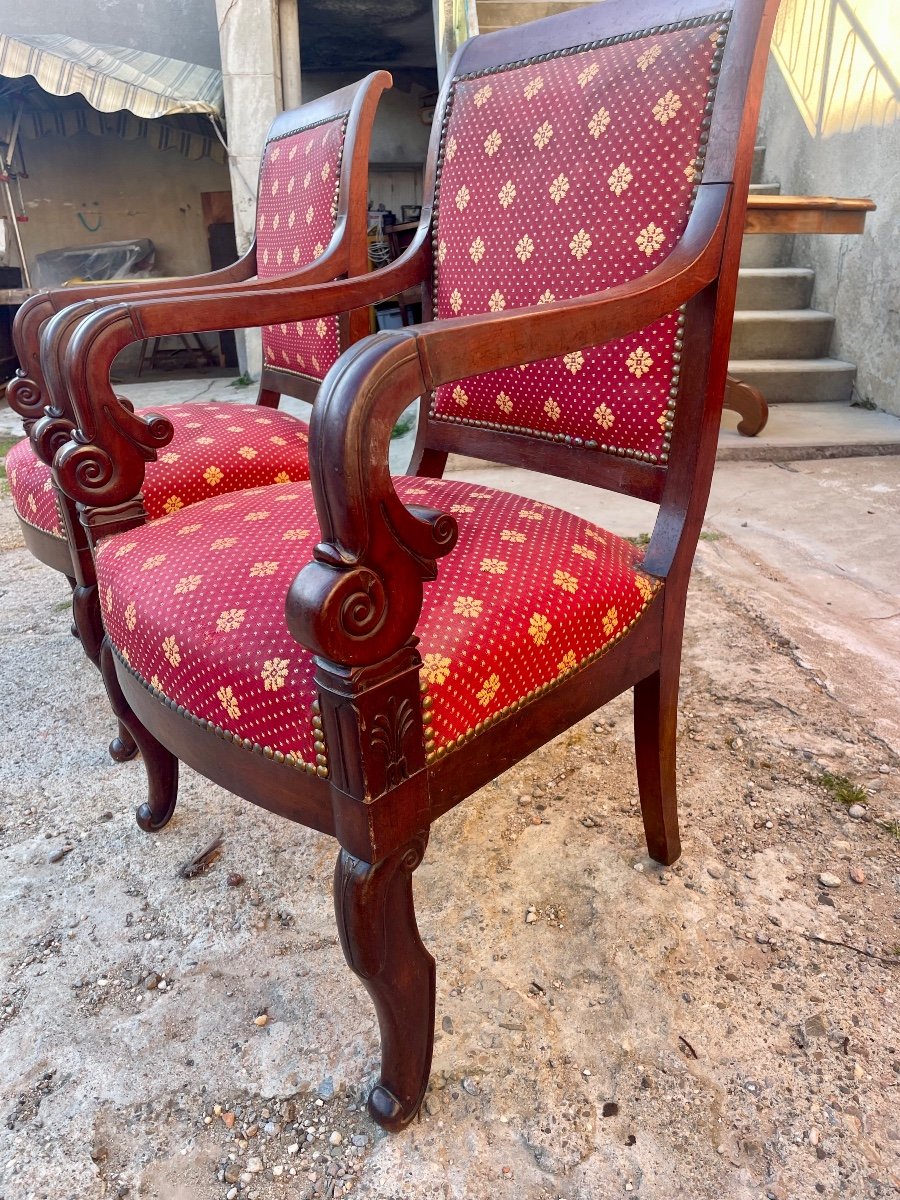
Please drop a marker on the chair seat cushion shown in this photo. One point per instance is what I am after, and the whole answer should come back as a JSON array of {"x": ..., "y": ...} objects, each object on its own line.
[
  {"x": 194, "y": 604},
  {"x": 216, "y": 448},
  {"x": 31, "y": 487}
]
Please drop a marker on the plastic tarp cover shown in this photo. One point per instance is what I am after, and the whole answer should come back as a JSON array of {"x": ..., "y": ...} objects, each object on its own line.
[{"x": 105, "y": 260}]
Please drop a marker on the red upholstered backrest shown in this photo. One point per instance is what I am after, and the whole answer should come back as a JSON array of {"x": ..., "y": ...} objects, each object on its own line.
[
  {"x": 560, "y": 177},
  {"x": 295, "y": 216}
]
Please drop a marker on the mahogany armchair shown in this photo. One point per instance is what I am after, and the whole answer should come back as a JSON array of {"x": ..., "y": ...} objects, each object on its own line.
[
  {"x": 305, "y": 648},
  {"x": 310, "y": 227}
]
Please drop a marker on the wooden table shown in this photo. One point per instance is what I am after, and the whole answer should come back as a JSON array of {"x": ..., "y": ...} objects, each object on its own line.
[{"x": 789, "y": 214}]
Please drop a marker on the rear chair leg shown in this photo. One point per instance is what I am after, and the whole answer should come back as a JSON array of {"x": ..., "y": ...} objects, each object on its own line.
[
  {"x": 377, "y": 926},
  {"x": 655, "y": 723},
  {"x": 268, "y": 399},
  {"x": 123, "y": 746},
  {"x": 87, "y": 626},
  {"x": 161, "y": 766}
]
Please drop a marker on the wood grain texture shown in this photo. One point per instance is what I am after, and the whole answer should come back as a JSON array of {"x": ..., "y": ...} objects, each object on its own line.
[
  {"x": 160, "y": 763},
  {"x": 376, "y": 922},
  {"x": 803, "y": 219},
  {"x": 746, "y": 400}
]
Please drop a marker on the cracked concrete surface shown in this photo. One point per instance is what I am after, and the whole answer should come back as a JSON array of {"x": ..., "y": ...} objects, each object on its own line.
[{"x": 727, "y": 1028}]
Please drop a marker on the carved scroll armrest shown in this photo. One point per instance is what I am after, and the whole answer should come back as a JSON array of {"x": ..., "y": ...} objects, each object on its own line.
[
  {"x": 45, "y": 391},
  {"x": 94, "y": 335},
  {"x": 361, "y": 597},
  {"x": 359, "y": 601}
]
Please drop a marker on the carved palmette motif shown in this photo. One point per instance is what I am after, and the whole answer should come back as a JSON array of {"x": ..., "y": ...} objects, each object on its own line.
[
  {"x": 372, "y": 724},
  {"x": 390, "y": 730}
]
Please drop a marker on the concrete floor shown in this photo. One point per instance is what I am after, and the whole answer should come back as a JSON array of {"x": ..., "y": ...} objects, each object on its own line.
[{"x": 802, "y": 431}]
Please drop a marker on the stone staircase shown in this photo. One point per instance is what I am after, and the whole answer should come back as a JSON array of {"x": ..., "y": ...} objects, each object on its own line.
[{"x": 780, "y": 344}]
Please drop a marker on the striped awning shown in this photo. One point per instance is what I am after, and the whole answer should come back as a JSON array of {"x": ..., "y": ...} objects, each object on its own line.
[{"x": 112, "y": 78}]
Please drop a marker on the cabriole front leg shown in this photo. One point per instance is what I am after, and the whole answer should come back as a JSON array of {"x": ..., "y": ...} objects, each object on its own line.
[{"x": 377, "y": 926}]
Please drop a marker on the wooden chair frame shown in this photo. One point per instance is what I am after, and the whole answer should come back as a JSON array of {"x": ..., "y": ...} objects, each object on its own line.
[
  {"x": 356, "y": 605},
  {"x": 48, "y": 319},
  {"x": 55, "y": 313}
]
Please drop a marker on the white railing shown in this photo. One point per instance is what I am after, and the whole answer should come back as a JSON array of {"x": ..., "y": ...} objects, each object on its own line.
[{"x": 840, "y": 61}]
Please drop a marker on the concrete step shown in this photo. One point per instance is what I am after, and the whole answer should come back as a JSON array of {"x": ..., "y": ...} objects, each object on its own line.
[
  {"x": 767, "y": 250},
  {"x": 795, "y": 432},
  {"x": 782, "y": 333},
  {"x": 766, "y": 288},
  {"x": 804, "y": 380},
  {"x": 765, "y": 189}
]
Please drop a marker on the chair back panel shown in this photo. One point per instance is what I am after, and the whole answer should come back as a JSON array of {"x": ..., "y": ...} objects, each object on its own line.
[
  {"x": 295, "y": 220},
  {"x": 562, "y": 176}
]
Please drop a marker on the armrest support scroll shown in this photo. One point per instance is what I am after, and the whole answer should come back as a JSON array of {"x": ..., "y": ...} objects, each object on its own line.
[
  {"x": 95, "y": 334},
  {"x": 359, "y": 600},
  {"x": 27, "y": 393}
]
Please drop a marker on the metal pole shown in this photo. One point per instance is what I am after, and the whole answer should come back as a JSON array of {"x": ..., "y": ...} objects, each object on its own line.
[
  {"x": 14, "y": 136},
  {"x": 454, "y": 22},
  {"x": 26, "y": 274}
]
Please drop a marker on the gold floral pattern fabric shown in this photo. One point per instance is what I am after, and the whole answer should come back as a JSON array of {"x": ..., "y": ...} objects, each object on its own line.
[
  {"x": 562, "y": 178},
  {"x": 295, "y": 215},
  {"x": 31, "y": 487},
  {"x": 194, "y": 603},
  {"x": 216, "y": 449}
]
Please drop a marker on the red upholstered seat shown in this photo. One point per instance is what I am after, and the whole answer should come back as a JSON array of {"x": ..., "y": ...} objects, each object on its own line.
[
  {"x": 217, "y": 448},
  {"x": 194, "y": 603},
  {"x": 31, "y": 487}
]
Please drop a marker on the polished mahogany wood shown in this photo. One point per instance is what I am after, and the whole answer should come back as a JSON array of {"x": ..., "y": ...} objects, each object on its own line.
[
  {"x": 160, "y": 763},
  {"x": 807, "y": 214},
  {"x": 376, "y": 922},
  {"x": 357, "y": 603},
  {"x": 749, "y": 403}
]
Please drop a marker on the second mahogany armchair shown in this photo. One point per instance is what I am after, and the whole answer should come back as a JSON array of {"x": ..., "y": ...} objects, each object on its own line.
[
  {"x": 310, "y": 227},
  {"x": 361, "y": 653}
]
